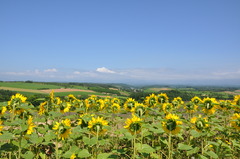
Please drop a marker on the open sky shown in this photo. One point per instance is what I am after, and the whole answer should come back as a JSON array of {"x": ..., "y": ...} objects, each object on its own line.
[{"x": 128, "y": 41}]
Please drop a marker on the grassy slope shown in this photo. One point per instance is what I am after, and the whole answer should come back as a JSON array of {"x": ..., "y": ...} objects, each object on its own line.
[{"x": 35, "y": 86}]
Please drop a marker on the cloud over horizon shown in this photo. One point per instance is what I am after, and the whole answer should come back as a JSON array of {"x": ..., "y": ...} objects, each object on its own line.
[{"x": 144, "y": 75}]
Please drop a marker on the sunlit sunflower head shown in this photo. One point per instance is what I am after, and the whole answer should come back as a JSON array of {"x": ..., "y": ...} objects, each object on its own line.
[
  {"x": 63, "y": 129},
  {"x": 129, "y": 104},
  {"x": 225, "y": 104},
  {"x": 167, "y": 108},
  {"x": 97, "y": 125},
  {"x": 139, "y": 110},
  {"x": 162, "y": 98},
  {"x": 200, "y": 124},
  {"x": 196, "y": 100},
  {"x": 235, "y": 121},
  {"x": 236, "y": 100},
  {"x": 42, "y": 109},
  {"x": 190, "y": 107},
  {"x": 172, "y": 124},
  {"x": 133, "y": 124},
  {"x": 115, "y": 100},
  {"x": 51, "y": 95},
  {"x": 100, "y": 105},
  {"x": 3, "y": 110},
  {"x": 115, "y": 108},
  {"x": 84, "y": 119},
  {"x": 209, "y": 105},
  {"x": 65, "y": 107},
  {"x": 151, "y": 100},
  {"x": 1, "y": 126},
  {"x": 31, "y": 125},
  {"x": 177, "y": 102},
  {"x": 17, "y": 99},
  {"x": 71, "y": 97}
]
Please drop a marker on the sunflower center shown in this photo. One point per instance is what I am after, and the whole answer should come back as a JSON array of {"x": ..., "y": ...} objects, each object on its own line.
[
  {"x": 171, "y": 124},
  {"x": 200, "y": 125},
  {"x": 134, "y": 127},
  {"x": 209, "y": 105}
]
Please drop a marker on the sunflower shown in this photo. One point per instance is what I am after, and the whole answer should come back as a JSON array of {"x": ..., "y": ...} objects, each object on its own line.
[
  {"x": 134, "y": 124},
  {"x": 115, "y": 108},
  {"x": 190, "y": 107},
  {"x": 177, "y": 102},
  {"x": 1, "y": 127},
  {"x": 3, "y": 110},
  {"x": 236, "y": 103},
  {"x": 65, "y": 107},
  {"x": 167, "y": 108},
  {"x": 162, "y": 98},
  {"x": 84, "y": 119},
  {"x": 51, "y": 95},
  {"x": 30, "y": 125},
  {"x": 42, "y": 108},
  {"x": 200, "y": 124},
  {"x": 16, "y": 99},
  {"x": 209, "y": 105},
  {"x": 235, "y": 121},
  {"x": 139, "y": 110},
  {"x": 96, "y": 125},
  {"x": 63, "y": 129},
  {"x": 196, "y": 100},
  {"x": 171, "y": 124},
  {"x": 73, "y": 156},
  {"x": 129, "y": 104},
  {"x": 225, "y": 104},
  {"x": 100, "y": 104},
  {"x": 115, "y": 100},
  {"x": 151, "y": 101}
]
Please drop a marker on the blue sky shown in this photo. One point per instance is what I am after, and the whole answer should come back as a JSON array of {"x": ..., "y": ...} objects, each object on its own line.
[{"x": 158, "y": 42}]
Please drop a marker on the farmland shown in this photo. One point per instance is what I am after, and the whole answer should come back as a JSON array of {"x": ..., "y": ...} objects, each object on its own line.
[{"x": 177, "y": 122}]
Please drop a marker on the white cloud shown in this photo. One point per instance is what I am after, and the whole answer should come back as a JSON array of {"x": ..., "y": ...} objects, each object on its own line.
[
  {"x": 76, "y": 73},
  {"x": 104, "y": 70},
  {"x": 50, "y": 70}
]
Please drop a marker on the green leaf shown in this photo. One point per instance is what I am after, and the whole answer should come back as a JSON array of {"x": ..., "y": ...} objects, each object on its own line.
[
  {"x": 184, "y": 147},
  {"x": 103, "y": 155},
  {"x": 193, "y": 151},
  {"x": 68, "y": 154},
  {"x": 202, "y": 157},
  {"x": 212, "y": 154},
  {"x": 90, "y": 142},
  {"x": 35, "y": 139},
  {"x": 144, "y": 148},
  {"x": 49, "y": 136},
  {"x": 6, "y": 136},
  {"x": 84, "y": 153},
  {"x": 28, "y": 155},
  {"x": 195, "y": 134}
]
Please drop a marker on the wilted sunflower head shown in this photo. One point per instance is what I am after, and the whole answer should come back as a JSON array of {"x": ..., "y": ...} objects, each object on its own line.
[
  {"x": 171, "y": 124},
  {"x": 133, "y": 124},
  {"x": 162, "y": 98},
  {"x": 235, "y": 121},
  {"x": 63, "y": 129},
  {"x": 151, "y": 100},
  {"x": 200, "y": 124},
  {"x": 96, "y": 125}
]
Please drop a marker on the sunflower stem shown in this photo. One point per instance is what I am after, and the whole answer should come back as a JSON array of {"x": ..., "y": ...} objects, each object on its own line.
[
  {"x": 134, "y": 145},
  {"x": 169, "y": 146}
]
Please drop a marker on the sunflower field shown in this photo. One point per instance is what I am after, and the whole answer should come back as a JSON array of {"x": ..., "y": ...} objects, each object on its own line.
[{"x": 100, "y": 128}]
